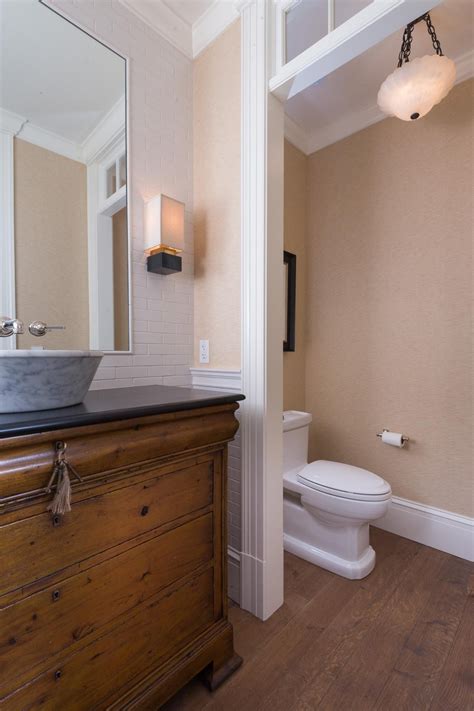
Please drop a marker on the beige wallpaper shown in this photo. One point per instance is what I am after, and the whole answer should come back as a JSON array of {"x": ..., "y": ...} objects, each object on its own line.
[
  {"x": 389, "y": 306},
  {"x": 294, "y": 381},
  {"x": 51, "y": 246},
  {"x": 217, "y": 199}
]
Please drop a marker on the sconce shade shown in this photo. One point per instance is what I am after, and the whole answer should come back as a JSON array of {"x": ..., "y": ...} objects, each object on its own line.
[
  {"x": 414, "y": 88},
  {"x": 164, "y": 224}
]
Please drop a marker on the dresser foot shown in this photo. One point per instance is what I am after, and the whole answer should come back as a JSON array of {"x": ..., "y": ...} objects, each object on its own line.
[{"x": 214, "y": 677}]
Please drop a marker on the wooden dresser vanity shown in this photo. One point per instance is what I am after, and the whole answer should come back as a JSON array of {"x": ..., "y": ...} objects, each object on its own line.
[{"x": 119, "y": 602}]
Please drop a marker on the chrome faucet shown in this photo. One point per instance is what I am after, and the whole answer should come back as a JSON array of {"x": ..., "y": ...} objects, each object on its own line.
[
  {"x": 10, "y": 326},
  {"x": 40, "y": 328}
]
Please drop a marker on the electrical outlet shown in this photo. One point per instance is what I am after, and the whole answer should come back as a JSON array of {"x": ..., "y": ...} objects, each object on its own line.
[{"x": 203, "y": 351}]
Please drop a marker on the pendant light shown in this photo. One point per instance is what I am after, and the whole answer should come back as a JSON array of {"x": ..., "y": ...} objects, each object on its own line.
[{"x": 415, "y": 87}]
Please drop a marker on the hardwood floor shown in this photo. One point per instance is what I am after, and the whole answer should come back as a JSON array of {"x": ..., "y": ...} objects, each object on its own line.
[{"x": 401, "y": 640}]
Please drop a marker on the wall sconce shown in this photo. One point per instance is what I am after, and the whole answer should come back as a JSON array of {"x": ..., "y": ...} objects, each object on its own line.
[{"x": 164, "y": 234}]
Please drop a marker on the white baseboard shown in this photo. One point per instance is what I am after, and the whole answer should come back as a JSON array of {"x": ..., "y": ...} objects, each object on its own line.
[
  {"x": 233, "y": 574},
  {"x": 433, "y": 527}
]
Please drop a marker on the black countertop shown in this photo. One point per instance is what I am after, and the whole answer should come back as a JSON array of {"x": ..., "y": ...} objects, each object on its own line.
[{"x": 115, "y": 404}]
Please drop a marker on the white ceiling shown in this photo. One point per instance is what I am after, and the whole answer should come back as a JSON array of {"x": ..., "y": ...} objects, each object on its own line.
[
  {"x": 351, "y": 90},
  {"x": 53, "y": 74}
]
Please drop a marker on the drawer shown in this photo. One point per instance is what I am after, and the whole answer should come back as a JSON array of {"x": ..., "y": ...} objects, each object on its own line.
[
  {"x": 59, "y": 616},
  {"x": 146, "y": 639},
  {"x": 34, "y": 547},
  {"x": 26, "y": 462}
]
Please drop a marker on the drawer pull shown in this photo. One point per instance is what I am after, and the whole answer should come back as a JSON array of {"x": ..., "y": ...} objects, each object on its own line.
[
  {"x": 144, "y": 511},
  {"x": 58, "y": 674},
  {"x": 56, "y": 595},
  {"x": 61, "y": 502}
]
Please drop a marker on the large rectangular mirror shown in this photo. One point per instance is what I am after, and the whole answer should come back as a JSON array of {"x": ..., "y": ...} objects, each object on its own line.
[{"x": 64, "y": 253}]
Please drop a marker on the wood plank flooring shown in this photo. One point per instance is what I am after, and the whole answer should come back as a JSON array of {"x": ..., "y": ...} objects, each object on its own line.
[{"x": 400, "y": 640}]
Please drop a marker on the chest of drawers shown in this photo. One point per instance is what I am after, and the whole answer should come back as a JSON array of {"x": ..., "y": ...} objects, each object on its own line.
[{"x": 119, "y": 602}]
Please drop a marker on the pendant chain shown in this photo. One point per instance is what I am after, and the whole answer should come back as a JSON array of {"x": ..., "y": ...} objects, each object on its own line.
[{"x": 404, "y": 54}]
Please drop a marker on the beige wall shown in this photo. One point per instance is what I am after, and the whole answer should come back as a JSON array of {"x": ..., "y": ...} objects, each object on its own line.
[
  {"x": 389, "y": 307},
  {"x": 217, "y": 199},
  {"x": 295, "y": 242},
  {"x": 51, "y": 245}
]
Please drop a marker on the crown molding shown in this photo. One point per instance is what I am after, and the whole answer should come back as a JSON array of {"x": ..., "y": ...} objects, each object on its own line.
[
  {"x": 111, "y": 129},
  {"x": 19, "y": 127},
  {"x": 32, "y": 133},
  {"x": 464, "y": 66},
  {"x": 165, "y": 22},
  {"x": 310, "y": 142},
  {"x": 296, "y": 135},
  {"x": 189, "y": 40},
  {"x": 11, "y": 123},
  {"x": 212, "y": 23},
  {"x": 352, "y": 123}
]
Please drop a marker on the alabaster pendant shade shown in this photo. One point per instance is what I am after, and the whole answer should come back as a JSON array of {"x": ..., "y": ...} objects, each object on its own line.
[{"x": 414, "y": 88}]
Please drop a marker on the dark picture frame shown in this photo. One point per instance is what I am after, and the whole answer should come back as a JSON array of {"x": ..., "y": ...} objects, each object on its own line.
[{"x": 289, "y": 261}]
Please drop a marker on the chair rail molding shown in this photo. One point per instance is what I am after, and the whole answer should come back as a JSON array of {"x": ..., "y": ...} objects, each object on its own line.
[
  {"x": 262, "y": 136},
  {"x": 216, "y": 379}
]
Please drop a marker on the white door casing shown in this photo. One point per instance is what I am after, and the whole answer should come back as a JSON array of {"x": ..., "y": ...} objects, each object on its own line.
[{"x": 262, "y": 315}]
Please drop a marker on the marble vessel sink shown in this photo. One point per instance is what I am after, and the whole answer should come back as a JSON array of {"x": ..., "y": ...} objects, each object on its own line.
[{"x": 43, "y": 380}]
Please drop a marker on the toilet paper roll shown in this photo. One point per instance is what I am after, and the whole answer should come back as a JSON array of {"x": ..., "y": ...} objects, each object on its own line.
[{"x": 393, "y": 438}]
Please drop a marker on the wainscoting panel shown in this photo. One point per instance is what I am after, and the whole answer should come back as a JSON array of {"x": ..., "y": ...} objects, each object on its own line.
[{"x": 228, "y": 380}]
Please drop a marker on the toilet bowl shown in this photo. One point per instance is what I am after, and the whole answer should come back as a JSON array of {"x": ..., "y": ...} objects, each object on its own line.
[{"x": 327, "y": 506}]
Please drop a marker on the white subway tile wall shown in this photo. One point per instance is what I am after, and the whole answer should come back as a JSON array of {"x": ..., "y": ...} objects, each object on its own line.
[
  {"x": 234, "y": 511},
  {"x": 160, "y": 141}
]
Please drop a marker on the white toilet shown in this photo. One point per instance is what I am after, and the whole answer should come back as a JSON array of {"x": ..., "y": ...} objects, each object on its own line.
[{"x": 327, "y": 506}]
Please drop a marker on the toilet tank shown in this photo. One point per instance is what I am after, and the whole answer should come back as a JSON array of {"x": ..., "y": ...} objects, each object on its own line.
[{"x": 295, "y": 439}]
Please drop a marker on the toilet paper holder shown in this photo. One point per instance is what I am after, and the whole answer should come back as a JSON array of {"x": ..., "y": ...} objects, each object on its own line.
[{"x": 404, "y": 439}]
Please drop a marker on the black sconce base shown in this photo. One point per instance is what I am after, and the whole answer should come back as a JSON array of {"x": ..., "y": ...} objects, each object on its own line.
[{"x": 164, "y": 263}]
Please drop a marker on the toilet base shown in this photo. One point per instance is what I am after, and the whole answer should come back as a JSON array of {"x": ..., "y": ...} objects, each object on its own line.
[{"x": 352, "y": 569}]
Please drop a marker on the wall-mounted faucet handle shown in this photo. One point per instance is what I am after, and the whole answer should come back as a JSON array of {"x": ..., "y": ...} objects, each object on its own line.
[
  {"x": 10, "y": 326},
  {"x": 40, "y": 328}
]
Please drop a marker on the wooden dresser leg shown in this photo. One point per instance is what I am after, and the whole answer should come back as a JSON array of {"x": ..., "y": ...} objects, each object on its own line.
[
  {"x": 224, "y": 660},
  {"x": 214, "y": 676}
]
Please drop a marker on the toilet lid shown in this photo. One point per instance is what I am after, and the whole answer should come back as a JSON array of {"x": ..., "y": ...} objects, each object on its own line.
[{"x": 344, "y": 480}]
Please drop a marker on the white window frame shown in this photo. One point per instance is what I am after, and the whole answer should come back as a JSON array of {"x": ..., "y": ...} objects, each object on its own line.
[
  {"x": 100, "y": 210},
  {"x": 366, "y": 28}
]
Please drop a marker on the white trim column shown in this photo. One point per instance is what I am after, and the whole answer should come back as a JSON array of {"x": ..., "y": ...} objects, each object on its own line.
[
  {"x": 262, "y": 317},
  {"x": 10, "y": 125}
]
